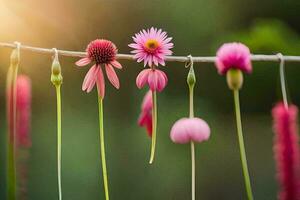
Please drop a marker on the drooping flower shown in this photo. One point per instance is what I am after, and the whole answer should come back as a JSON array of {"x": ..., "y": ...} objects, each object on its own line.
[
  {"x": 103, "y": 54},
  {"x": 188, "y": 130},
  {"x": 23, "y": 94},
  {"x": 156, "y": 79},
  {"x": 151, "y": 46},
  {"x": 286, "y": 149},
  {"x": 233, "y": 56},
  {"x": 145, "y": 118}
]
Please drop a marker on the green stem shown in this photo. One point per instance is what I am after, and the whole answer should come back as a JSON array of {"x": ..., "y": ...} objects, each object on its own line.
[
  {"x": 193, "y": 171},
  {"x": 11, "y": 185},
  {"x": 102, "y": 146},
  {"x": 12, "y": 115},
  {"x": 154, "y": 126},
  {"x": 58, "y": 101},
  {"x": 241, "y": 144},
  {"x": 191, "y": 105}
]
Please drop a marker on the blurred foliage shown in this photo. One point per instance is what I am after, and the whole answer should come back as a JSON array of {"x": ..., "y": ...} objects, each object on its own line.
[{"x": 198, "y": 27}]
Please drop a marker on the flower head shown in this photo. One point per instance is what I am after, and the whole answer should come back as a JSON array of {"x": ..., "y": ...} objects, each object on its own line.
[
  {"x": 103, "y": 54},
  {"x": 233, "y": 56},
  {"x": 145, "y": 118},
  {"x": 156, "y": 79},
  {"x": 23, "y": 107},
  {"x": 286, "y": 149},
  {"x": 190, "y": 130},
  {"x": 151, "y": 46}
]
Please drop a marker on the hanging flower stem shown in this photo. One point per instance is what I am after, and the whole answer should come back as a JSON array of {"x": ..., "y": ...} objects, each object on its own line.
[
  {"x": 57, "y": 79},
  {"x": 12, "y": 116},
  {"x": 154, "y": 126},
  {"x": 58, "y": 102},
  {"x": 241, "y": 144},
  {"x": 193, "y": 146},
  {"x": 102, "y": 146},
  {"x": 191, "y": 80}
]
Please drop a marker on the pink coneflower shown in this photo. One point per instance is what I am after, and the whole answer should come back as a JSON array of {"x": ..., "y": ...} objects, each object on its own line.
[
  {"x": 188, "y": 130},
  {"x": 233, "y": 56},
  {"x": 23, "y": 110},
  {"x": 145, "y": 118},
  {"x": 286, "y": 149},
  {"x": 103, "y": 54},
  {"x": 152, "y": 46}
]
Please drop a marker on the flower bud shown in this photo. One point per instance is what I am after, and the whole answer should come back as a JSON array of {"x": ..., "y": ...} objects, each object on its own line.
[
  {"x": 191, "y": 78},
  {"x": 56, "y": 77},
  {"x": 234, "y": 79}
]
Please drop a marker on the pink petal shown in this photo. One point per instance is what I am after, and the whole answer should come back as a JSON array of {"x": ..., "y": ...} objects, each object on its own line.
[
  {"x": 116, "y": 64},
  {"x": 162, "y": 80},
  {"x": 88, "y": 77},
  {"x": 153, "y": 80},
  {"x": 142, "y": 78},
  {"x": 83, "y": 62},
  {"x": 92, "y": 80},
  {"x": 112, "y": 76},
  {"x": 100, "y": 83}
]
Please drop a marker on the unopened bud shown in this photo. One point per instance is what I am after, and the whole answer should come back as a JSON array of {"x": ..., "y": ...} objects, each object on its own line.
[
  {"x": 234, "y": 79},
  {"x": 191, "y": 78},
  {"x": 56, "y": 77}
]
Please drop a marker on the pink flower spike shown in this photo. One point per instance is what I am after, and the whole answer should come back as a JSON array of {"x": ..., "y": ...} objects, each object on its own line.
[
  {"x": 23, "y": 104},
  {"x": 233, "y": 55},
  {"x": 151, "y": 46},
  {"x": 190, "y": 130},
  {"x": 145, "y": 118},
  {"x": 286, "y": 150},
  {"x": 103, "y": 54}
]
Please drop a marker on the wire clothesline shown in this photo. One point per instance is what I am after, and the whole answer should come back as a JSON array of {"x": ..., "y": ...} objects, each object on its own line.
[{"x": 199, "y": 59}]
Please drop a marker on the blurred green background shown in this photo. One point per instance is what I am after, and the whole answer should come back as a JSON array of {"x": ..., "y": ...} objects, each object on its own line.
[{"x": 198, "y": 27}]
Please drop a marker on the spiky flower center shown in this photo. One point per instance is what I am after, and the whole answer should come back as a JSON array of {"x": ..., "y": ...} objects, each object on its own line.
[
  {"x": 151, "y": 45},
  {"x": 102, "y": 51}
]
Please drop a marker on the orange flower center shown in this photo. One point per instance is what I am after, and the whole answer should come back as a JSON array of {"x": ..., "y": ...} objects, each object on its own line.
[{"x": 151, "y": 45}]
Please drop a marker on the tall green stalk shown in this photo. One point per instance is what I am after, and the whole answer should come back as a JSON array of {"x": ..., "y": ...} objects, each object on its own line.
[
  {"x": 241, "y": 144},
  {"x": 191, "y": 81},
  {"x": 154, "y": 127},
  {"x": 102, "y": 147},
  {"x": 12, "y": 116},
  {"x": 57, "y": 79},
  {"x": 58, "y": 102}
]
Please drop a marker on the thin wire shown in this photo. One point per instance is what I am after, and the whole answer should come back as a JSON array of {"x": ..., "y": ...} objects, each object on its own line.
[
  {"x": 282, "y": 79},
  {"x": 203, "y": 59}
]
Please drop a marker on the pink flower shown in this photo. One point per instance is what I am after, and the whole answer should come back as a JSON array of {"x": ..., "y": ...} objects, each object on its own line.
[
  {"x": 145, "y": 118},
  {"x": 233, "y": 55},
  {"x": 23, "y": 106},
  {"x": 286, "y": 149},
  {"x": 103, "y": 53},
  {"x": 190, "y": 129},
  {"x": 156, "y": 79},
  {"x": 151, "y": 46}
]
